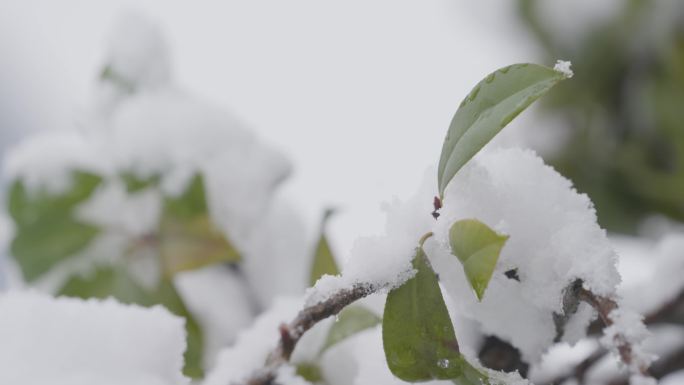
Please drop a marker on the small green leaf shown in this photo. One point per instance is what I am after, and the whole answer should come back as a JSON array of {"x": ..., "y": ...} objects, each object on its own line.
[
  {"x": 109, "y": 75},
  {"x": 478, "y": 248},
  {"x": 135, "y": 183},
  {"x": 117, "y": 283},
  {"x": 188, "y": 239},
  {"x": 417, "y": 334},
  {"x": 46, "y": 232},
  {"x": 191, "y": 202},
  {"x": 310, "y": 372},
  {"x": 489, "y": 107},
  {"x": 351, "y": 320},
  {"x": 323, "y": 261}
]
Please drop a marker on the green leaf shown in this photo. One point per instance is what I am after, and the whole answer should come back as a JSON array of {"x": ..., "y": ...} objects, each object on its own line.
[
  {"x": 310, "y": 372},
  {"x": 417, "y": 334},
  {"x": 478, "y": 248},
  {"x": 351, "y": 320},
  {"x": 489, "y": 107},
  {"x": 27, "y": 208},
  {"x": 117, "y": 283},
  {"x": 324, "y": 261},
  {"x": 39, "y": 247},
  {"x": 188, "y": 239},
  {"x": 135, "y": 183},
  {"x": 191, "y": 202},
  {"x": 46, "y": 232}
]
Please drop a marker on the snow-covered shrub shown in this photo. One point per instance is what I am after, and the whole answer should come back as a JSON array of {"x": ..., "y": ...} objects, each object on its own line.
[
  {"x": 152, "y": 197},
  {"x": 162, "y": 193}
]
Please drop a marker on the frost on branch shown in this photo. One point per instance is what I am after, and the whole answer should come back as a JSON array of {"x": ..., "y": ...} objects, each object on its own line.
[
  {"x": 627, "y": 331},
  {"x": 73, "y": 342}
]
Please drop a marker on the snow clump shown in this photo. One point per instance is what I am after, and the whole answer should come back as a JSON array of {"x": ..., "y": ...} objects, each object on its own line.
[{"x": 68, "y": 341}]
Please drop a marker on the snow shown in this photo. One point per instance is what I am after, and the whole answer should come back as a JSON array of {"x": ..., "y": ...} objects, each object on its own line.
[
  {"x": 676, "y": 378},
  {"x": 75, "y": 342},
  {"x": 628, "y": 328},
  {"x": 561, "y": 360},
  {"x": 220, "y": 301},
  {"x": 383, "y": 262},
  {"x": 252, "y": 345},
  {"x": 554, "y": 240},
  {"x": 651, "y": 270},
  {"x": 564, "y": 68},
  {"x": 159, "y": 129},
  {"x": 47, "y": 160},
  {"x": 114, "y": 208},
  {"x": 638, "y": 379},
  {"x": 137, "y": 51}
]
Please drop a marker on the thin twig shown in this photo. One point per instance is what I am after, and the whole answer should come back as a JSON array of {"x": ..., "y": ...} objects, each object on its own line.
[
  {"x": 291, "y": 333},
  {"x": 604, "y": 306}
]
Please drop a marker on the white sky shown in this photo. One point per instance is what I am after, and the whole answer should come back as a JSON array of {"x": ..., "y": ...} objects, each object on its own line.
[{"x": 358, "y": 93}]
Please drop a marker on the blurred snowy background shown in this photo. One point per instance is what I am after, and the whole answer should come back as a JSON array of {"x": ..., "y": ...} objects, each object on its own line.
[
  {"x": 346, "y": 90},
  {"x": 357, "y": 96}
]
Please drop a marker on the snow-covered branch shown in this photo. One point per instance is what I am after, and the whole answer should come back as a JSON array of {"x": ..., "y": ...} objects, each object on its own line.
[{"x": 291, "y": 333}]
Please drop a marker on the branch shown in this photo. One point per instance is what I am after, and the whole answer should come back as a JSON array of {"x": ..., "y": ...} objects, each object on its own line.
[
  {"x": 291, "y": 333},
  {"x": 604, "y": 306}
]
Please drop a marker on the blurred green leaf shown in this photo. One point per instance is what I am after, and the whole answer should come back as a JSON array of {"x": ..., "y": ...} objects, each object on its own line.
[
  {"x": 489, "y": 107},
  {"x": 188, "y": 239},
  {"x": 478, "y": 248},
  {"x": 46, "y": 232},
  {"x": 417, "y": 334},
  {"x": 109, "y": 75},
  {"x": 27, "y": 208},
  {"x": 135, "y": 183},
  {"x": 117, "y": 283},
  {"x": 191, "y": 203},
  {"x": 310, "y": 372},
  {"x": 351, "y": 320},
  {"x": 323, "y": 261},
  {"x": 39, "y": 247}
]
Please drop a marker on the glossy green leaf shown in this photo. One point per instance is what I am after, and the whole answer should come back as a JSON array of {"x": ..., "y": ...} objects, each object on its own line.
[
  {"x": 46, "y": 231},
  {"x": 478, "y": 248},
  {"x": 489, "y": 107},
  {"x": 188, "y": 239},
  {"x": 351, "y": 320},
  {"x": 417, "y": 334},
  {"x": 117, "y": 283}
]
